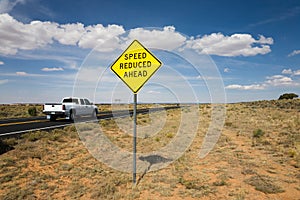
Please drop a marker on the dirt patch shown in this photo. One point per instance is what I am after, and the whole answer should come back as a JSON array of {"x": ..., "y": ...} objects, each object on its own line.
[{"x": 256, "y": 157}]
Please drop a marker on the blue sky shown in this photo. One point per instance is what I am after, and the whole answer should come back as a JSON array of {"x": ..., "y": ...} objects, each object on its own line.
[{"x": 48, "y": 47}]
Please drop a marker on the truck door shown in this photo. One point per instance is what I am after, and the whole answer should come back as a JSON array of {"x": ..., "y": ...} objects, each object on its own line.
[
  {"x": 88, "y": 106},
  {"x": 81, "y": 108}
]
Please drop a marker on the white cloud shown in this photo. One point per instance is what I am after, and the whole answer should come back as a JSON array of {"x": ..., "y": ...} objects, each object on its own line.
[
  {"x": 7, "y": 5},
  {"x": 297, "y": 72},
  {"x": 271, "y": 81},
  {"x": 1, "y": 63},
  {"x": 295, "y": 52},
  {"x": 246, "y": 87},
  {"x": 279, "y": 80},
  {"x": 166, "y": 38},
  {"x": 106, "y": 37},
  {"x": 25, "y": 74},
  {"x": 264, "y": 40},
  {"x": 290, "y": 72},
  {"x": 234, "y": 45},
  {"x": 69, "y": 34},
  {"x": 226, "y": 70},
  {"x": 15, "y": 36},
  {"x": 3, "y": 81},
  {"x": 21, "y": 73},
  {"x": 287, "y": 71},
  {"x": 153, "y": 92},
  {"x": 46, "y": 69},
  {"x": 206, "y": 78}
]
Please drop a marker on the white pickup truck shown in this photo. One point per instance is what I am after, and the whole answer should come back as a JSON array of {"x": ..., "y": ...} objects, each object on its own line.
[{"x": 70, "y": 108}]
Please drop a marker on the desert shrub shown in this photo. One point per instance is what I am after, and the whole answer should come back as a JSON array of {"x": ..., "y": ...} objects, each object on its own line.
[
  {"x": 264, "y": 184},
  {"x": 258, "y": 133},
  {"x": 11, "y": 141},
  {"x": 170, "y": 135},
  {"x": 33, "y": 136},
  {"x": 192, "y": 184},
  {"x": 32, "y": 111},
  {"x": 57, "y": 135},
  {"x": 288, "y": 96}
]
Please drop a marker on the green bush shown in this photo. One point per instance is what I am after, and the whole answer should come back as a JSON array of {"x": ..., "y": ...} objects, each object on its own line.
[
  {"x": 288, "y": 96},
  {"x": 34, "y": 136},
  {"x": 258, "y": 133},
  {"x": 32, "y": 111}
]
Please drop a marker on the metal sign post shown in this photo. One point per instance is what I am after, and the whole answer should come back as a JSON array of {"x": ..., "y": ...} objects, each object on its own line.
[
  {"x": 134, "y": 137},
  {"x": 134, "y": 67}
]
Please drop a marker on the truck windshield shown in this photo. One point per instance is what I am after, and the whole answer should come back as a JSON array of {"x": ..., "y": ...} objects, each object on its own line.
[{"x": 70, "y": 101}]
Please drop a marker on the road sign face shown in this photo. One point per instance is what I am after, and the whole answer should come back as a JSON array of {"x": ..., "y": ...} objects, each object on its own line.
[{"x": 135, "y": 66}]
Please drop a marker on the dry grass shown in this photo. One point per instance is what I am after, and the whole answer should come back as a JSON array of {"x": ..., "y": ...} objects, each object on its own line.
[
  {"x": 256, "y": 157},
  {"x": 18, "y": 110}
]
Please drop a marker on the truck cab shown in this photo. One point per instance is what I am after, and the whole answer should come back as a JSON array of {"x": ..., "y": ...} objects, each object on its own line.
[{"x": 70, "y": 108}]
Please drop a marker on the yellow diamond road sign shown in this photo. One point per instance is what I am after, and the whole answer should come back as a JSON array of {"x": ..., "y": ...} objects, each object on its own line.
[{"x": 135, "y": 66}]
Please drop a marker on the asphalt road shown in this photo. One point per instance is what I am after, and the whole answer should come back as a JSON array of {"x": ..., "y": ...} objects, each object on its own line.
[{"x": 22, "y": 125}]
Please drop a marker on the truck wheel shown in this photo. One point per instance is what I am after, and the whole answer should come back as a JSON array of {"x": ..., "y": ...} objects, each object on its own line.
[
  {"x": 53, "y": 118},
  {"x": 72, "y": 115}
]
